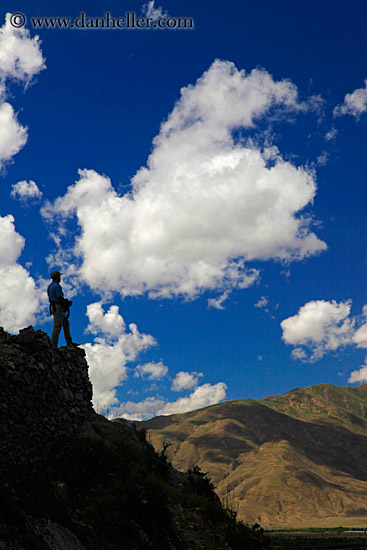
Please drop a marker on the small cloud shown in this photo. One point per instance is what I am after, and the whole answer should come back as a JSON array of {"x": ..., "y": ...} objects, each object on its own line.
[
  {"x": 150, "y": 11},
  {"x": 152, "y": 371},
  {"x": 26, "y": 191},
  {"x": 360, "y": 336},
  {"x": 331, "y": 134},
  {"x": 262, "y": 302},
  {"x": 299, "y": 353},
  {"x": 359, "y": 375},
  {"x": 355, "y": 103},
  {"x": 185, "y": 380},
  {"x": 320, "y": 326},
  {"x": 322, "y": 160},
  {"x": 217, "y": 303}
]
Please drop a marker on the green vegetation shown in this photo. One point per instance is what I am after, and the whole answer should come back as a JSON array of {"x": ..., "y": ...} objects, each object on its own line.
[
  {"x": 342, "y": 406},
  {"x": 317, "y": 543}
]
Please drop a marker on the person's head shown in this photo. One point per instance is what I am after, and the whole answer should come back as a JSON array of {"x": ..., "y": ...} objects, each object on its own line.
[{"x": 56, "y": 276}]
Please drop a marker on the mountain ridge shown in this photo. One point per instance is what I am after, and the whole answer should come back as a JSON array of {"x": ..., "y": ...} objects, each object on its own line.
[{"x": 280, "y": 460}]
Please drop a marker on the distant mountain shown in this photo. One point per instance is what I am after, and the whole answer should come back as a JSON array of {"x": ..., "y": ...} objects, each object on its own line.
[{"x": 281, "y": 460}]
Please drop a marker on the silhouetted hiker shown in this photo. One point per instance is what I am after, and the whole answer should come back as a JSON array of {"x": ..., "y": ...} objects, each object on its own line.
[{"x": 59, "y": 308}]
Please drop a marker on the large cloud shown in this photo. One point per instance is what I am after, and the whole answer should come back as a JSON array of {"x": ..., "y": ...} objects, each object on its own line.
[
  {"x": 20, "y": 59},
  {"x": 321, "y": 326},
  {"x": 16, "y": 282},
  {"x": 114, "y": 346},
  {"x": 205, "y": 205},
  {"x": 355, "y": 103}
]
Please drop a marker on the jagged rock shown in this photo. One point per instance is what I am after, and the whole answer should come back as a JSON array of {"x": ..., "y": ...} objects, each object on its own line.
[
  {"x": 4, "y": 336},
  {"x": 30, "y": 336},
  {"x": 54, "y": 536}
]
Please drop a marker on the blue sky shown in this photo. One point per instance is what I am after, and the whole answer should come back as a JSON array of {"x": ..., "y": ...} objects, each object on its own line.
[{"x": 202, "y": 190}]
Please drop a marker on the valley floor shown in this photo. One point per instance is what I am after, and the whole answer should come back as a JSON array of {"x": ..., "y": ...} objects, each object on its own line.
[
  {"x": 352, "y": 522},
  {"x": 298, "y": 540}
]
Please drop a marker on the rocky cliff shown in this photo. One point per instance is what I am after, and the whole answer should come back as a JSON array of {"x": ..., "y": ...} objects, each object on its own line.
[
  {"x": 72, "y": 480},
  {"x": 45, "y": 397}
]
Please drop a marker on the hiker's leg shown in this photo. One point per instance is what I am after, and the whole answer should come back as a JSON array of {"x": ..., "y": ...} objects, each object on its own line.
[
  {"x": 58, "y": 321},
  {"x": 66, "y": 327}
]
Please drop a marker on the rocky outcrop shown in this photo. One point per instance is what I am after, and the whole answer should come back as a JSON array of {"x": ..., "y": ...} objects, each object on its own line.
[{"x": 45, "y": 397}]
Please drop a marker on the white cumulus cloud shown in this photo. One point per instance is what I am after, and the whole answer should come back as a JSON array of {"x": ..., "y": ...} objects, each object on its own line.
[
  {"x": 152, "y": 371},
  {"x": 25, "y": 191},
  {"x": 202, "y": 396},
  {"x": 320, "y": 326},
  {"x": 108, "y": 355},
  {"x": 16, "y": 313},
  {"x": 359, "y": 375},
  {"x": 355, "y": 103},
  {"x": 360, "y": 335},
  {"x": 111, "y": 324},
  {"x": 204, "y": 206},
  {"x": 13, "y": 136},
  {"x": 186, "y": 380},
  {"x": 20, "y": 59},
  {"x": 20, "y": 55}
]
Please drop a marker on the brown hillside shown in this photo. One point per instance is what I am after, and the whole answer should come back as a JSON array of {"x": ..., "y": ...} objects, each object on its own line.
[{"x": 281, "y": 460}]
